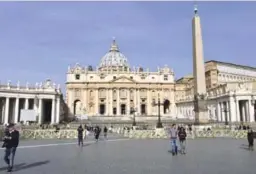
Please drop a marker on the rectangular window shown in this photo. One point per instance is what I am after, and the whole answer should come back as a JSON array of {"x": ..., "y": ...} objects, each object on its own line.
[
  {"x": 77, "y": 76},
  {"x": 165, "y": 77},
  {"x": 114, "y": 77}
]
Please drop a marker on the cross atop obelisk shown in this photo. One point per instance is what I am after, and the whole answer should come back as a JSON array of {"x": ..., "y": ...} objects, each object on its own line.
[{"x": 200, "y": 107}]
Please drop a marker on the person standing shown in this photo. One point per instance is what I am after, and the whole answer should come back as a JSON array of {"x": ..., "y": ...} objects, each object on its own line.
[
  {"x": 173, "y": 137},
  {"x": 11, "y": 144},
  {"x": 105, "y": 132},
  {"x": 182, "y": 138},
  {"x": 250, "y": 138},
  {"x": 97, "y": 133},
  {"x": 80, "y": 131}
]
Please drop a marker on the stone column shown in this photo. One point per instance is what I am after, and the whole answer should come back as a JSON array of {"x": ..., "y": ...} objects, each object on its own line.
[
  {"x": 71, "y": 100},
  {"x": 237, "y": 111},
  {"x": 39, "y": 111},
  {"x": 53, "y": 115},
  {"x": 232, "y": 110},
  {"x": 6, "y": 116},
  {"x": 251, "y": 111},
  {"x": 111, "y": 102},
  {"x": 118, "y": 102},
  {"x": 86, "y": 100},
  {"x": 107, "y": 102},
  {"x": 243, "y": 111},
  {"x": 135, "y": 98},
  {"x": 128, "y": 101},
  {"x": 16, "y": 110},
  {"x": 228, "y": 111},
  {"x": 247, "y": 111},
  {"x": 96, "y": 102},
  {"x": 35, "y": 104},
  {"x": 218, "y": 112},
  {"x": 26, "y": 103},
  {"x": 58, "y": 110},
  {"x": 225, "y": 111},
  {"x": 138, "y": 102},
  {"x": 221, "y": 112},
  {"x": 148, "y": 103}
]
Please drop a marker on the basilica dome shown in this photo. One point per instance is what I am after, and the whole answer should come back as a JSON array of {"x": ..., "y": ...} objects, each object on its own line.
[{"x": 113, "y": 59}]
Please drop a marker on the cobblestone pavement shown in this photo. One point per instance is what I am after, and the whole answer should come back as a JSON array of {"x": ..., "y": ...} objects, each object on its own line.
[{"x": 120, "y": 156}]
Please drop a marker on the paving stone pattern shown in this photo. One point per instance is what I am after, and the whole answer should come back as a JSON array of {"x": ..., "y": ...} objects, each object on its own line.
[{"x": 205, "y": 156}]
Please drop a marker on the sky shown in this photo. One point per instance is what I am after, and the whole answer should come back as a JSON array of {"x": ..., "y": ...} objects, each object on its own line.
[{"x": 39, "y": 40}]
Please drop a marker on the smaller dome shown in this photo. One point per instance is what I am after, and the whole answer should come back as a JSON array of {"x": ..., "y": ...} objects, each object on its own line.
[{"x": 113, "y": 59}]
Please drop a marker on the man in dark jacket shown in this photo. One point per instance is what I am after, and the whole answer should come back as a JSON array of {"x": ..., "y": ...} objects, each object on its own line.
[
  {"x": 12, "y": 142},
  {"x": 97, "y": 133},
  {"x": 182, "y": 137},
  {"x": 80, "y": 131},
  {"x": 250, "y": 138},
  {"x": 105, "y": 132}
]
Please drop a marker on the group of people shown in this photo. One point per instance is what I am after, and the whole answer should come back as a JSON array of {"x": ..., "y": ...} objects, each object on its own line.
[
  {"x": 178, "y": 134},
  {"x": 97, "y": 130}
]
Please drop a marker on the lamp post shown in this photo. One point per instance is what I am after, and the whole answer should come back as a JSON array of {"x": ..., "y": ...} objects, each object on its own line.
[
  {"x": 159, "y": 123},
  {"x": 133, "y": 111}
]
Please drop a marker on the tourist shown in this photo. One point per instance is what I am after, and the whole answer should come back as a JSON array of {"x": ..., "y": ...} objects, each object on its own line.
[
  {"x": 250, "y": 138},
  {"x": 97, "y": 131},
  {"x": 105, "y": 132},
  {"x": 80, "y": 131},
  {"x": 11, "y": 144},
  {"x": 173, "y": 137},
  {"x": 182, "y": 138}
]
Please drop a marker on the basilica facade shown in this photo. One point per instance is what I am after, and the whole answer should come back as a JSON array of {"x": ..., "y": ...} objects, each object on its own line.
[{"x": 114, "y": 89}]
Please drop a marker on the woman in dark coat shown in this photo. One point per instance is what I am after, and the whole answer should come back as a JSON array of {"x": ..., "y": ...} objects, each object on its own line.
[{"x": 250, "y": 139}]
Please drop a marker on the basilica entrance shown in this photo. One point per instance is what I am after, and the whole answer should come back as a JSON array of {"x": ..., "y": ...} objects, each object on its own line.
[
  {"x": 166, "y": 106},
  {"x": 77, "y": 107},
  {"x": 102, "y": 109},
  {"x": 123, "y": 109},
  {"x": 143, "y": 109}
]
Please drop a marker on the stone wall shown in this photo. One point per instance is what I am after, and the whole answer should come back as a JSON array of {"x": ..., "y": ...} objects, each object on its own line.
[{"x": 134, "y": 134}]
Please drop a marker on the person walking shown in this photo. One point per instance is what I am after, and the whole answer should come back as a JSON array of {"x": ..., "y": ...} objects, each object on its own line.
[
  {"x": 182, "y": 138},
  {"x": 97, "y": 133},
  {"x": 105, "y": 130},
  {"x": 11, "y": 143},
  {"x": 250, "y": 138},
  {"x": 80, "y": 131},
  {"x": 173, "y": 137}
]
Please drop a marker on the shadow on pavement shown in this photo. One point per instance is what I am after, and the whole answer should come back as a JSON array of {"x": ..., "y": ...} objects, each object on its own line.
[
  {"x": 15, "y": 166},
  {"x": 244, "y": 147},
  {"x": 32, "y": 165},
  {"x": 87, "y": 144}
]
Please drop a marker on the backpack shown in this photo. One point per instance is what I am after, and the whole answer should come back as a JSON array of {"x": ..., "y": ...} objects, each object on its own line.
[{"x": 182, "y": 135}]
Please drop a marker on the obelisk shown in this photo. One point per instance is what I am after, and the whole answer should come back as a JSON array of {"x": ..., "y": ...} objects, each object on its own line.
[{"x": 200, "y": 106}]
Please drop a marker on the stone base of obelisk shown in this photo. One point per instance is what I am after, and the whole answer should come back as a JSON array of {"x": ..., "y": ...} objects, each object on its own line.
[{"x": 201, "y": 118}]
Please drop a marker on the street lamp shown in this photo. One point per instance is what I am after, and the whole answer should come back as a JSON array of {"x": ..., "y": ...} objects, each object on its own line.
[
  {"x": 133, "y": 111},
  {"x": 159, "y": 123}
]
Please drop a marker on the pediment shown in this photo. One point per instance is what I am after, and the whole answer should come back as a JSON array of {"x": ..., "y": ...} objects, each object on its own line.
[{"x": 122, "y": 79}]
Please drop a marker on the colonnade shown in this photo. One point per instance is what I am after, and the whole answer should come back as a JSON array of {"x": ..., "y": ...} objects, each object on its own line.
[{"x": 11, "y": 108}]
